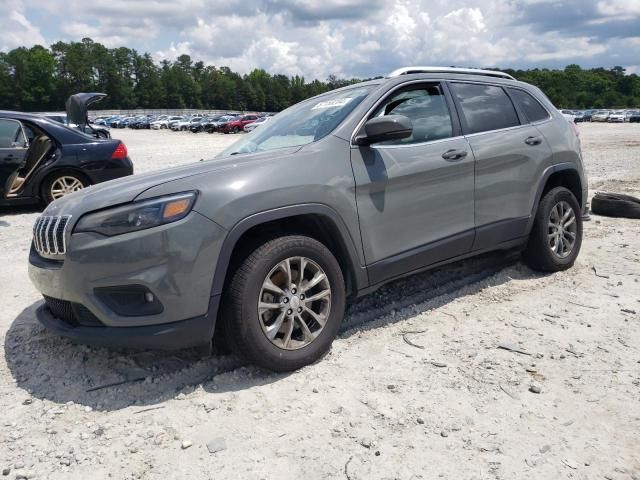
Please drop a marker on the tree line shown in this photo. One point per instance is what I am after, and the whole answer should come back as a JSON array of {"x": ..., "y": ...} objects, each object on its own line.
[{"x": 41, "y": 79}]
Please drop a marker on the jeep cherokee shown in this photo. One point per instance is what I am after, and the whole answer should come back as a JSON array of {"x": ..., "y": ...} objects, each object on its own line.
[{"x": 331, "y": 198}]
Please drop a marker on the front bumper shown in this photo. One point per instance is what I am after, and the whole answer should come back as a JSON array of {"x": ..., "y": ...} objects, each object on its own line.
[
  {"x": 189, "y": 333},
  {"x": 174, "y": 262}
]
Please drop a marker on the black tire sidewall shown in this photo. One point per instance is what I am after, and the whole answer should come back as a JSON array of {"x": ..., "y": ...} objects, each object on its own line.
[
  {"x": 538, "y": 254},
  {"x": 616, "y": 205},
  {"x": 254, "y": 344}
]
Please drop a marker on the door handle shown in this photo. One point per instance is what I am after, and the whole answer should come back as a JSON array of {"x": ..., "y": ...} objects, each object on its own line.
[
  {"x": 533, "y": 140},
  {"x": 454, "y": 154}
]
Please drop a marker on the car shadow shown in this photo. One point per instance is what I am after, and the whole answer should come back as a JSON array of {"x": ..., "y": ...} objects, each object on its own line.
[
  {"x": 50, "y": 367},
  {"x": 11, "y": 210}
]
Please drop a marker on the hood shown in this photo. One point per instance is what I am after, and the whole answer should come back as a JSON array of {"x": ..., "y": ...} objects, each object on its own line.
[
  {"x": 78, "y": 104},
  {"x": 127, "y": 189}
]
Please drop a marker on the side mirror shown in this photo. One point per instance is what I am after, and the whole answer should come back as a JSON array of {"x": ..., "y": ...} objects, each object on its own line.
[{"x": 387, "y": 127}]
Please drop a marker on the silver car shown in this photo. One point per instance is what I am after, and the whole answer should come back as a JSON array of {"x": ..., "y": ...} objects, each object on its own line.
[
  {"x": 252, "y": 126},
  {"x": 262, "y": 246}
]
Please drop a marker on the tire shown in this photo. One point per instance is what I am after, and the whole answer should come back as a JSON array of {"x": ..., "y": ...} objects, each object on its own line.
[
  {"x": 236, "y": 130},
  {"x": 540, "y": 253},
  {"x": 615, "y": 205},
  {"x": 245, "y": 328},
  {"x": 62, "y": 177},
  {"x": 101, "y": 134}
]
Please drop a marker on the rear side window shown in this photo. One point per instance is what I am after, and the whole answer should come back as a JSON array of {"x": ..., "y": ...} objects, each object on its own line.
[
  {"x": 485, "y": 107},
  {"x": 11, "y": 134},
  {"x": 533, "y": 111}
]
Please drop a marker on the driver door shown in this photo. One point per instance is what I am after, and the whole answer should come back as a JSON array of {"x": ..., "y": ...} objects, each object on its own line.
[
  {"x": 13, "y": 150},
  {"x": 415, "y": 196}
]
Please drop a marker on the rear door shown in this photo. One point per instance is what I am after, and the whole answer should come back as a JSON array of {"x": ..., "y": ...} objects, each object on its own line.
[
  {"x": 511, "y": 155},
  {"x": 13, "y": 149}
]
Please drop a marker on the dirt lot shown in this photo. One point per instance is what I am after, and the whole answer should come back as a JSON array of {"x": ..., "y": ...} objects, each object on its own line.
[{"x": 414, "y": 388}]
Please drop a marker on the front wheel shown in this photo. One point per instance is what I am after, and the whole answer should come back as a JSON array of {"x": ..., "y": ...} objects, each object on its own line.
[
  {"x": 556, "y": 236},
  {"x": 286, "y": 302}
]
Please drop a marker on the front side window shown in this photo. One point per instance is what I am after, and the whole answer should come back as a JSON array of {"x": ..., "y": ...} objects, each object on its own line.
[
  {"x": 533, "y": 111},
  {"x": 426, "y": 107},
  {"x": 484, "y": 107},
  {"x": 303, "y": 123}
]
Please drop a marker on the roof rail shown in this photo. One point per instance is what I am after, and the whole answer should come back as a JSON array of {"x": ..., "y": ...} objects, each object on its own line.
[{"x": 465, "y": 71}]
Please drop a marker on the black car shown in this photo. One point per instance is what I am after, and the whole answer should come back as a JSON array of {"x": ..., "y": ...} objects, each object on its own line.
[
  {"x": 42, "y": 160},
  {"x": 634, "y": 117},
  {"x": 199, "y": 125},
  {"x": 142, "y": 124},
  {"x": 138, "y": 122}
]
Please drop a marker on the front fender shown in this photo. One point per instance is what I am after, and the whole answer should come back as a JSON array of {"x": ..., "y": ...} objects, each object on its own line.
[{"x": 234, "y": 235}]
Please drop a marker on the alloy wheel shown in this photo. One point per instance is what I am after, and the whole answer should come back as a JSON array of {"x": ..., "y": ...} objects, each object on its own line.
[
  {"x": 294, "y": 303},
  {"x": 64, "y": 185},
  {"x": 562, "y": 229}
]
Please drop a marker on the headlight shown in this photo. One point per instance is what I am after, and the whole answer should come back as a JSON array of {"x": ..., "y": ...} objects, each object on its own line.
[{"x": 138, "y": 215}]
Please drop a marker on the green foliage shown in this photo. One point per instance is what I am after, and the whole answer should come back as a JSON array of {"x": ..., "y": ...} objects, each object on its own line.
[
  {"x": 39, "y": 79},
  {"x": 577, "y": 88}
]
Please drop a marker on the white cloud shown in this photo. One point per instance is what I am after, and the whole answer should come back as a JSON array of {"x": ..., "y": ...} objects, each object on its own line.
[
  {"x": 617, "y": 8},
  {"x": 16, "y": 30},
  {"x": 362, "y": 38}
]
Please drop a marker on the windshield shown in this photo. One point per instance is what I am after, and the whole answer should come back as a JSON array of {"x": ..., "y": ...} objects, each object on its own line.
[{"x": 303, "y": 123}]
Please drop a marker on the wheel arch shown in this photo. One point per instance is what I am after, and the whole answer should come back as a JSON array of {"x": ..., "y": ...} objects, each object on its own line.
[
  {"x": 561, "y": 175},
  {"x": 45, "y": 176},
  {"x": 315, "y": 220}
]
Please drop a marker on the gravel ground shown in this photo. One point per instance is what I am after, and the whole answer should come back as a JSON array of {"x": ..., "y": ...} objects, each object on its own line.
[{"x": 415, "y": 387}]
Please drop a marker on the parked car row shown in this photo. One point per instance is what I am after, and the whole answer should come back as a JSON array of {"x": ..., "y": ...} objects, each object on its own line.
[
  {"x": 611, "y": 116},
  {"x": 196, "y": 123}
]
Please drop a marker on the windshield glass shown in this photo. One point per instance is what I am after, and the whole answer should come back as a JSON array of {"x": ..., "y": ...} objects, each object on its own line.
[{"x": 302, "y": 123}]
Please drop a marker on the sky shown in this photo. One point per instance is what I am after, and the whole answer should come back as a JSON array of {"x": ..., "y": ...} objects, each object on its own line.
[{"x": 347, "y": 38}]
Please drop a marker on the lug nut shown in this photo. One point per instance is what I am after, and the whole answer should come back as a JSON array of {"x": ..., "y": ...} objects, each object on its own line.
[
  {"x": 301, "y": 297},
  {"x": 289, "y": 312},
  {"x": 285, "y": 300},
  {"x": 299, "y": 309},
  {"x": 293, "y": 290}
]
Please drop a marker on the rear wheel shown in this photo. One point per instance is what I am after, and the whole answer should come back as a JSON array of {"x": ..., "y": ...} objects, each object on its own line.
[
  {"x": 556, "y": 236},
  {"x": 286, "y": 302},
  {"x": 59, "y": 184}
]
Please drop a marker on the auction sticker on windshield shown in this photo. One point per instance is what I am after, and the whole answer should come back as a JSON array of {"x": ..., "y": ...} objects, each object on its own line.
[{"x": 338, "y": 102}]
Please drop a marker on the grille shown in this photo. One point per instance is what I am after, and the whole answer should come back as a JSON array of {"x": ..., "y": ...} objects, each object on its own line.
[
  {"x": 71, "y": 313},
  {"x": 49, "y": 235}
]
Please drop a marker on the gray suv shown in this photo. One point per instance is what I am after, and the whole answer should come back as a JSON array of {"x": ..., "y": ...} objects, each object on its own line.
[{"x": 335, "y": 196}]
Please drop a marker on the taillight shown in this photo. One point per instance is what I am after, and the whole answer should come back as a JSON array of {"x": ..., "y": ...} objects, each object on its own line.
[
  {"x": 575, "y": 128},
  {"x": 120, "y": 152}
]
